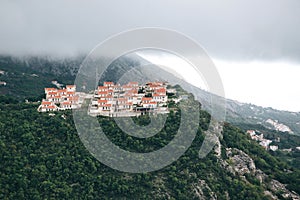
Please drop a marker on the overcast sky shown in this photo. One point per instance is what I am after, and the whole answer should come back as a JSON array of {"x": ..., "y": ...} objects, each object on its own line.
[{"x": 254, "y": 44}]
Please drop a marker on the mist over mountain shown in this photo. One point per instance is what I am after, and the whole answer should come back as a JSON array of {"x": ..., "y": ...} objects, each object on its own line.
[
  {"x": 142, "y": 70},
  {"x": 132, "y": 65}
]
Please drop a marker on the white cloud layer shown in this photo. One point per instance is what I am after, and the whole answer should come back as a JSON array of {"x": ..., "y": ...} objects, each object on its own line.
[
  {"x": 268, "y": 84},
  {"x": 264, "y": 83}
]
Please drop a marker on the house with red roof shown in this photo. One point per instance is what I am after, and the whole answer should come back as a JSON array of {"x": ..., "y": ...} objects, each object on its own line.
[
  {"x": 59, "y": 99},
  {"x": 71, "y": 88},
  {"x": 108, "y": 84},
  {"x": 47, "y": 106}
]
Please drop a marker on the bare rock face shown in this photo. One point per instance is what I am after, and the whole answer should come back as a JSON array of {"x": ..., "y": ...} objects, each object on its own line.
[
  {"x": 160, "y": 191},
  {"x": 239, "y": 163},
  {"x": 271, "y": 195},
  {"x": 217, "y": 149},
  {"x": 203, "y": 191},
  {"x": 260, "y": 175},
  {"x": 277, "y": 187}
]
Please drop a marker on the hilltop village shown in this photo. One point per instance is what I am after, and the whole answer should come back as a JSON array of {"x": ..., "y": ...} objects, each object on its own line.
[
  {"x": 60, "y": 99},
  {"x": 112, "y": 99},
  {"x": 130, "y": 99}
]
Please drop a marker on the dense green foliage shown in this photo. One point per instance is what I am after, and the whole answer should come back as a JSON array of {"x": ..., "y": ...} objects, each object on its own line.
[{"x": 42, "y": 157}]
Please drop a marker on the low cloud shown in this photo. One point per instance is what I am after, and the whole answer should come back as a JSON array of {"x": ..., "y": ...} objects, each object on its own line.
[{"x": 235, "y": 30}]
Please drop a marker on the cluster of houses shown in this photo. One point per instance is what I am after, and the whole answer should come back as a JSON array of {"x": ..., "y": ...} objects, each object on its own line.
[
  {"x": 265, "y": 143},
  {"x": 60, "y": 99},
  {"x": 130, "y": 99},
  {"x": 110, "y": 99}
]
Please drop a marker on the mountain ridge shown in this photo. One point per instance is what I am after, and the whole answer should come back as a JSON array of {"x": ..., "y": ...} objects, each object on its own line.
[{"x": 65, "y": 70}]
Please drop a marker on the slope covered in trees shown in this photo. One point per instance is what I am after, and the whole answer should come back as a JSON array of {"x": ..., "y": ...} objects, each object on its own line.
[{"x": 42, "y": 157}]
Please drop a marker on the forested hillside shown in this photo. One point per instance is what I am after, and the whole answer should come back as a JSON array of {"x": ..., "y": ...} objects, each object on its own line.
[{"x": 42, "y": 157}]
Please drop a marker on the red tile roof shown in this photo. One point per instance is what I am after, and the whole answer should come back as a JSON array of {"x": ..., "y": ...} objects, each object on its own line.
[
  {"x": 52, "y": 93},
  {"x": 66, "y": 103},
  {"x": 161, "y": 90},
  {"x": 50, "y": 89},
  {"x": 102, "y": 101},
  {"x": 146, "y": 99},
  {"x": 102, "y": 88},
  {"x": 159, "y": 95},
  {"x": 46, "y": 103}
]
